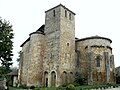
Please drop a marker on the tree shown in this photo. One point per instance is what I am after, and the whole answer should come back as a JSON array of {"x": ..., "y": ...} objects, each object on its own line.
[
  {"x": 18, "y": 59},
  {"x": 6, "y": 44}
]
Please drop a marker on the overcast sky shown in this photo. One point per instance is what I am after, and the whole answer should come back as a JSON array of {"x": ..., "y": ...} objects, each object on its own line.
[{"x": 93, "y": 17}]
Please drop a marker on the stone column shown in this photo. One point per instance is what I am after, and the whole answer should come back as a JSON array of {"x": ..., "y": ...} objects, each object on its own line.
[
  {"x": 113, "y": 67},
  {"x": 107, "y": 66},
  {"x": 90, "y": 62},
  {"x": 77, "y": 66}
]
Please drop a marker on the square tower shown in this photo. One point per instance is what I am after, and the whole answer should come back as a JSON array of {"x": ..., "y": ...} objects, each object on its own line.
[{"x": 60, "y": 43}]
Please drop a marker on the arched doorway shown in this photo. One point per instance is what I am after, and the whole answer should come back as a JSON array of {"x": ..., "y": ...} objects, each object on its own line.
[
  {"x": 71, "y": 77},
  {"x": 64, "y": 77},
  {"x": 53, "y": 79},
  {"x": 46, "y": 79}
]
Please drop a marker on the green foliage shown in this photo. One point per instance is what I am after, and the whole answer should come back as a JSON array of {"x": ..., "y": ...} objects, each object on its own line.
[
  {"x": 117, "y": 79},
  {"x": 70, "y": 87},
  {"x": 24, "y": 86},
  {"x": 4, "y": 71},
  {"x": 79, "y": 80},
  {"x": 18, "y": 59},
  {"x": 64, "y": 85},
  {"x": 6, "y": 43},
  {"x": 6, "y": 46},
  {"x": 36, "y": 89},
  {"x": 32, "y": 87}
]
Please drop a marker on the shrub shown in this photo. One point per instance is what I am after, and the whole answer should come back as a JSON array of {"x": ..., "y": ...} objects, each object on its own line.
[
  {"x": 79, "y": 80},
  {"x": 70, "y": 87},
  {"x": 36, "y": 89},
  {"x": 117, "y": 79},
  {"x": 32, "y": 87},
  {"x": 64, "y": 85},
  {"x": 24, "y": 86}
]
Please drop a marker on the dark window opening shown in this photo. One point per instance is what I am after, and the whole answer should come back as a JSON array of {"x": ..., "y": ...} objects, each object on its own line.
[
  {"x": 70, "y": 16},
  {"x": 67, "y": 44},
  {"x": 51, "y": 56},
  {"x": 98, "y": 61},
  {"x": 54, "y": 13},
  {"x": 65, "y": 13},
  {"x": 46, "y": 79}
]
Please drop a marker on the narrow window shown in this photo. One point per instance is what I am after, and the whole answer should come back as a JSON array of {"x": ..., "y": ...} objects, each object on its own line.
[
  {"x": 65, "y": 56},
  {"x": 54, "y": 13},
  {"x": 111, "y": 63},
  {"x": 67, "y": 44},
  {"x": 51, "y": 56},
  {"x": 70, "y": 16},
  {"x": 98, "y": 61},
  {"x": 65, "y": 13}
]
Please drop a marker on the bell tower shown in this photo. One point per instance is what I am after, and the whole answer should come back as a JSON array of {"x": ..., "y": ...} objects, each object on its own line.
[{"x": 60, "y": 42}]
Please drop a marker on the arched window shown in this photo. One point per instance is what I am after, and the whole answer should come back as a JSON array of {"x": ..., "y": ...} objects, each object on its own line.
[
  {"x": 46, "y": 79},
  {"x": 53, "y": 79},
  {"x": 71, "y": 77},
  {"x": 98, "y": 61},
  {"x": 64, "y": 77}
]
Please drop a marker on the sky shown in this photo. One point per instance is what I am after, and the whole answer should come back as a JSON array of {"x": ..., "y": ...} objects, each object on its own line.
[{"x": 93, "y": 17}]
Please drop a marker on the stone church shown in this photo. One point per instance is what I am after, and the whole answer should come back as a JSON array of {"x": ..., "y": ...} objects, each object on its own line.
[{"x": 52, "y": 55}]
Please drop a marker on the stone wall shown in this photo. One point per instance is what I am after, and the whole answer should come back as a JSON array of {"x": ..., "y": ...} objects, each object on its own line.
[
  {"x": 52, "y": 31},
  {"x": 67, "y": 42},
  {"x": 52, "y": 58},
  {"x": 36, "y": 54},
  {"x": 24, "y": 63},
  {"x": 93, "y": 48},
  {"x": 60, "y": 41}
]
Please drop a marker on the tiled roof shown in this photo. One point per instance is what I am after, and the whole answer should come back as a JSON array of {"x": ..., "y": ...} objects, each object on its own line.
[
  {"x": 94, "y": 37},
  {"x": 62, "y": 6},
  {"x": 40, "y": 31},
  {"x": 13, "y": 73}
]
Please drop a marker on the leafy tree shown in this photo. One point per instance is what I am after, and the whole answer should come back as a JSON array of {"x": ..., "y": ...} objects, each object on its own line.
[
  {"x": 18, "y": 59},
  {"x": 6, "y": 44}
]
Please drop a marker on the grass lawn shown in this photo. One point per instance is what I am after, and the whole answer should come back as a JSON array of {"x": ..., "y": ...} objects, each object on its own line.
[
  {"x": 14, "y": 88},
  {"x": 17, "y": 88},
  {"x": 83, "y": 87}
]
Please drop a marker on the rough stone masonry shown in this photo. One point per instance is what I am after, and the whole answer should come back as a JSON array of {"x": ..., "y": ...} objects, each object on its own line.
[{"x": 52, "y": 56}]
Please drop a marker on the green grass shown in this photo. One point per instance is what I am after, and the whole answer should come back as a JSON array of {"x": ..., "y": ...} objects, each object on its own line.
[
  {"x": 84, "y": 87},
  {"x": 15, "y": 88}
]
